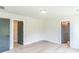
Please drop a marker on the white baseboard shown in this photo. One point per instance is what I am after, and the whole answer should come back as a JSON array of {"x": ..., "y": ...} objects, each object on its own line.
[
  {"x": 27, "y": 43},
  {"x": 74, "y": 46},
  {"x": 54, "y": 42}
]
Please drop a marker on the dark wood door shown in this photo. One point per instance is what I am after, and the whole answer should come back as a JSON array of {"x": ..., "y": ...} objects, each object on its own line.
[{"x": 20, "y": 32}]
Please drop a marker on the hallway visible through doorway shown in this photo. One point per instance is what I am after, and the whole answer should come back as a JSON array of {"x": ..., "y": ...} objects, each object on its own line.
[
  {"x": 18, "y": 33},
  {"x": 65, "y": 32}
]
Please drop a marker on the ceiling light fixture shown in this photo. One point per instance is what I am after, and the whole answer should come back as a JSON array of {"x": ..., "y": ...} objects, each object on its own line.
[{"x": 43, "y": 11}]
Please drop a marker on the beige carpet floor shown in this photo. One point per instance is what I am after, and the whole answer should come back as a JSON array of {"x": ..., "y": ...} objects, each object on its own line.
[{"x": 43, "y": 47}]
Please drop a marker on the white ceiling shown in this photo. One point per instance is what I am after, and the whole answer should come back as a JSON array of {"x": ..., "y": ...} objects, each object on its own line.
[{"x": 34, "y": 11}]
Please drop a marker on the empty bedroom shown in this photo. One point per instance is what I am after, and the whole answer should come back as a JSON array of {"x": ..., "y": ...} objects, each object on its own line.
[{"x": 39, "y": 29}]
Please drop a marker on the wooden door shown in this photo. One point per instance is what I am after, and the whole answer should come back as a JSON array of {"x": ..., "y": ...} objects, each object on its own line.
[{"x": 20, "y": 32}]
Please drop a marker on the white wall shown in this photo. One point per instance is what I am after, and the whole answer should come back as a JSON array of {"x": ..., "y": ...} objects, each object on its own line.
[
  {"x": 32, "y": 27},
  {"x": 53, "y": 31},
  {"x": 74, "y": 43},
  {"x": 33, "y": 30}
]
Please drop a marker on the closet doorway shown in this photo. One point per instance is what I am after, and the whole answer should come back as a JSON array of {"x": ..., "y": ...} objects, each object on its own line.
[
  {"x": 65, "y": 32},
  {"x": 18, "y": 33}
]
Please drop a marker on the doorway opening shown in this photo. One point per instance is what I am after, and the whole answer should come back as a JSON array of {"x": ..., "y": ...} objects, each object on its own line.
[
  {"x": 65, "y": 32},
  {"x": 18, "y": 33}
]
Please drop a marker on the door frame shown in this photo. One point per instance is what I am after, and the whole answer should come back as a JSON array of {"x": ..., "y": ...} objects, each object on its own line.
[
  {"x": 13, "y": 32},
  {"x": 61, "y": 29}
]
